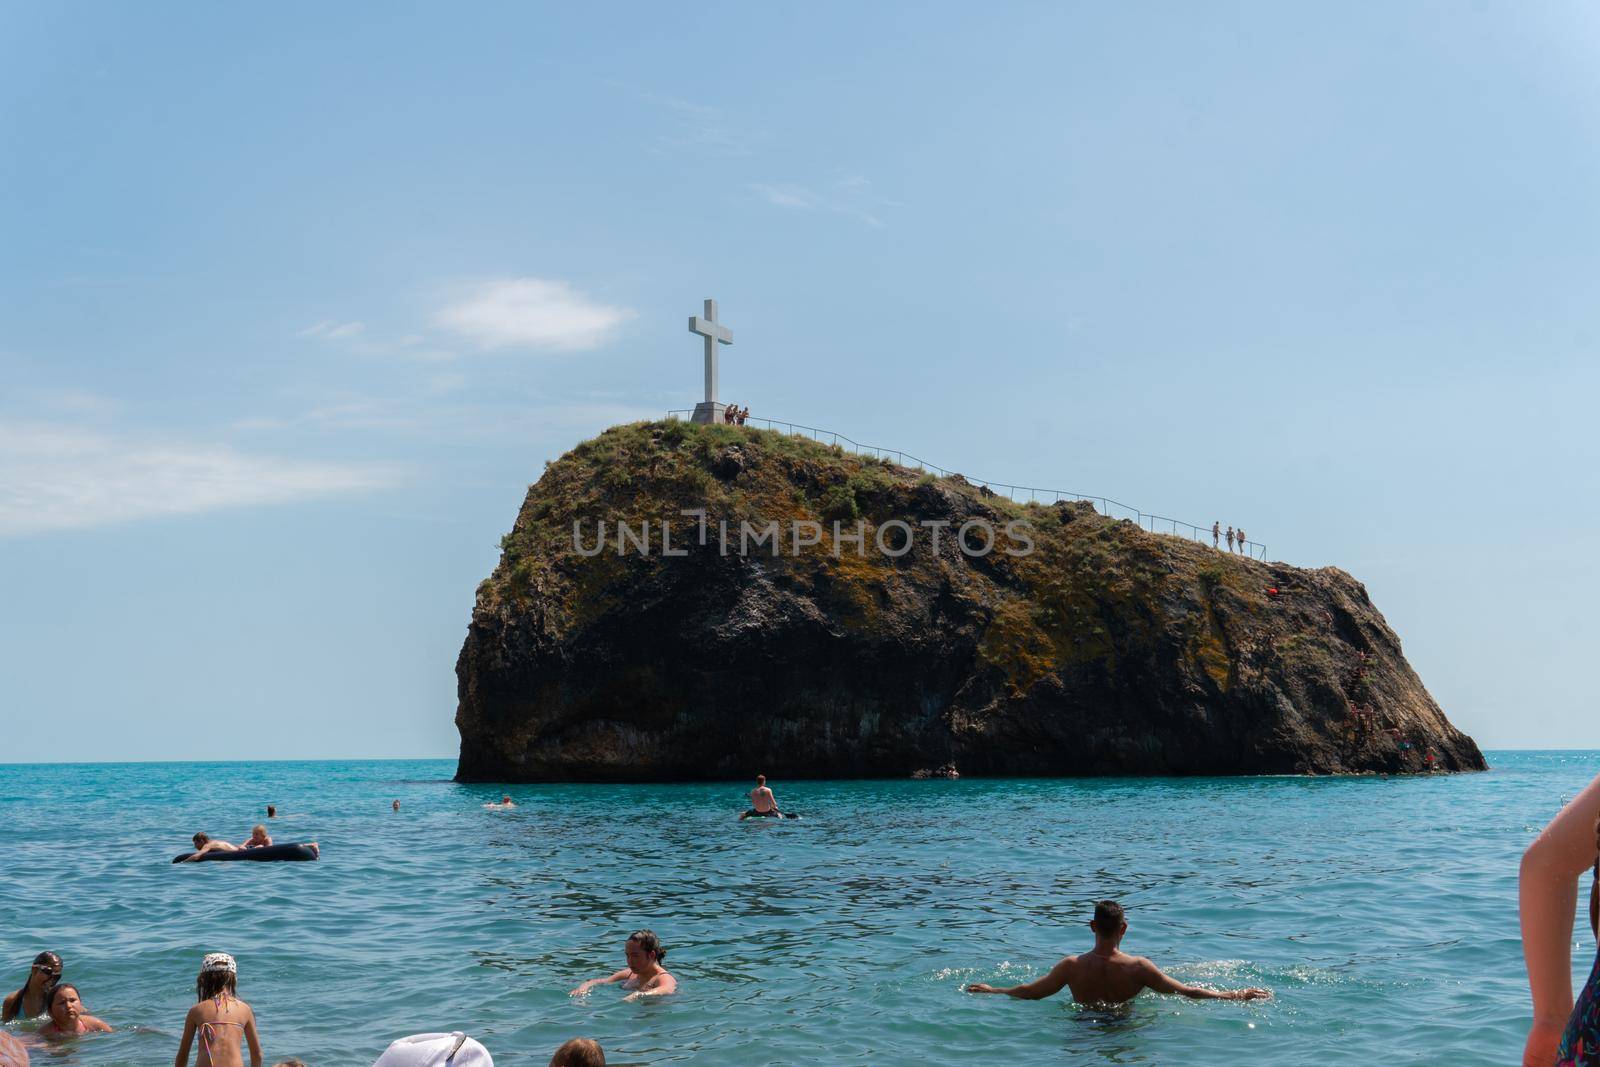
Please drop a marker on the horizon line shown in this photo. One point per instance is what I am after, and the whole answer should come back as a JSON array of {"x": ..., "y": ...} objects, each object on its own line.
[{"x": 417, "y": 759}]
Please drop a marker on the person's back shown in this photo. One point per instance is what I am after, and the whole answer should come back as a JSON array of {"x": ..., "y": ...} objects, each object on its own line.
[
  {"x": 1108, "y": 975},
  {"x": 219, "y": 1019},
  {"x": 1107, "y": 979},
  {"x": 220, "y": 1024}
]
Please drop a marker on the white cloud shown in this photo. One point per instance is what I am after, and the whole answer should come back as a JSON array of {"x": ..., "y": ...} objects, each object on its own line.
[
  {"x": 61, "y": 478},
  {"x": 531, "y": 313},
  {"x": 850, "y": 194},
  {"x": 333, "y": 331}
]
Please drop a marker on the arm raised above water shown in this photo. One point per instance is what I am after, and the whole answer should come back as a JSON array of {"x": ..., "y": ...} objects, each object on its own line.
[{"x": 1548, "y": 890}]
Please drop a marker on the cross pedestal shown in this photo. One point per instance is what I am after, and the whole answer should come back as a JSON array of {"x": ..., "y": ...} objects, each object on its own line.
[{"x": 709, "y": 412}]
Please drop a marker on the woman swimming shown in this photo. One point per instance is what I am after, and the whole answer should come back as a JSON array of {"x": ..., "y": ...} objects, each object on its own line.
[
  {"x": 33, "y": 999},
  {"x": 67, "y": 1017},
  {"x": 1570, "y": 846},
  {"x": 644, "y": 976},
  {"x": 220, "y": 1018}
]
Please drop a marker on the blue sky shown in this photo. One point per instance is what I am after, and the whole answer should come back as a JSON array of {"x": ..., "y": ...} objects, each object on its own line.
[{"x": 296, "y": 301}]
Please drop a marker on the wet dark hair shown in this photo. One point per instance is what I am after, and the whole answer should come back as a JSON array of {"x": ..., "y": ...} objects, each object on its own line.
[
  {"x": 1108, "y": 917},
  {"x": 215, "y": 984},
  {"x": 579, "y": 1052},
  {"x": 650, "y": 943},
  {"x": 272, "y": 811},
  {"x": 49, "y": 988},
  {"x": 200, "y": 839}
]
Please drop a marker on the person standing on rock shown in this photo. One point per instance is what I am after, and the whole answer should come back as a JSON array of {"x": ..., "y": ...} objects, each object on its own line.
[
  {"x": 1107, "y": 975},
  {"x": 1230, "y": 539},
  {"x": 1216, "y": 535},
  {"x": 1240, "y": 538}
]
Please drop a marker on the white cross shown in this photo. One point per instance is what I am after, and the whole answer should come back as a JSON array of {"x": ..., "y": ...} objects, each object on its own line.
[{"x": 715, "y": 333}]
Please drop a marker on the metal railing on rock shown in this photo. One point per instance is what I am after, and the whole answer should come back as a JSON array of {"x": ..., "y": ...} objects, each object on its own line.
[{"x": 1111, "y": 508}]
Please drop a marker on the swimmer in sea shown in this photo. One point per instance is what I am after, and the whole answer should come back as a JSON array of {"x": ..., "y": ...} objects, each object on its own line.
[
  {"x": 258, "y": 838},
  {"x": 763, "y": 805},
  {"x": 220, "y": 1018},
  {"x": 644, "y": 976},
  {"x": 204, "y": 844},
  {"x": 67, "y": 1018},
  {"x": 33, "y": 999},
  {"x": 505, "y": 802},
  {"x": 396, "y": 805},
  {"x": 272, "y": 811},
  {"x": 1107, "y": 975}
]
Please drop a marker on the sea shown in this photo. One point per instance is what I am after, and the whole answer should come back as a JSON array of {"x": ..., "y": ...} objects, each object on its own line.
[{"x": 1381, "y": 912}]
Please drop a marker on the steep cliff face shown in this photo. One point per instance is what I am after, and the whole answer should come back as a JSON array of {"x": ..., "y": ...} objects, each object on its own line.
[{"x": 1103, "y": 650}]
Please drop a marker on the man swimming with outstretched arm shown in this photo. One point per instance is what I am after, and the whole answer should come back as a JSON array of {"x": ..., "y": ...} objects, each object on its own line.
[{"x": 1107, "y": 975}]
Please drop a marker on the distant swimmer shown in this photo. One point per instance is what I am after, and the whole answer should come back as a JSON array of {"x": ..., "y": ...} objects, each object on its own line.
[
  {"x": 33, "y": 999},
  {"x": 505, "y": 802},
  {"x": 1108, "y": 975},
  {"x": 644, "y": 976},
  {"x": 220, "y": 1019},
  {"x": 396, "y": 805},
  {"x": 203, "y": 844},
  {"x": 67, "y": 1017},
  {"x": 763, "y": 805},
  {"x": 258, "y": 838},
  {"x": 272, "y": 811}
]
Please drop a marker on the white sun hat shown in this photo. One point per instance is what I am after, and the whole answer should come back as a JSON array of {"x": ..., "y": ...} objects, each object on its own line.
[{"x": 435, "y": 1050}]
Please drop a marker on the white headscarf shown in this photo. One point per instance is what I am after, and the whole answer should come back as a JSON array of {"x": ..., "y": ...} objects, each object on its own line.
[
  {"x": 218, "y": 961},
  {"x": 435, "y": 1050}
]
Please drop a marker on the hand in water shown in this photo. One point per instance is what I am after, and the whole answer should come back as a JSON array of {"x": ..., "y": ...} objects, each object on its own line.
[
  {"x": 981, "y": 987},
  {"x": 1251, "y": 994}
]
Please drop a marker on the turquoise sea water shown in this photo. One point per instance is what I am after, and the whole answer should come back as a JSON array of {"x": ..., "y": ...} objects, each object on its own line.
[{"x": 1381, "y": 912}]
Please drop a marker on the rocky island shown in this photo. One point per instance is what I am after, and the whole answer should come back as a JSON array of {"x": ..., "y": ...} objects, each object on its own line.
[{"x": 620, "y": 639}]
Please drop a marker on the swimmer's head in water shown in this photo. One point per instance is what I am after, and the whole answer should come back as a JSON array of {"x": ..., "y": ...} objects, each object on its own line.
[
  {"x": 646, "y": 945},
  {"x": 200, "y": 840},
  {"x": 219, "y": 974},
  {"x": 48, "y": 964},
  {"x": 1109, "y": 919},
  {"x": 579, "y": 1052},
  {"x": 257, "y": 832},
  {"x": 64, "y": 1005},
  {"x": 272, "y": 812}
]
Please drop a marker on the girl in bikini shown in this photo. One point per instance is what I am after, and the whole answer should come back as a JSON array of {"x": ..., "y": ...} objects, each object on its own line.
[
  {"x": 1562, "y": 1033},
  {"x": 221, "y": 1019},
  {"x": 644, "y": 976},
  {"x": 67, "y": 1017}
]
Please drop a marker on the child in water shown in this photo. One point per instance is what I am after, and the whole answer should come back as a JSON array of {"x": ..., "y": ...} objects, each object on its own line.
[
  {"x": 67, "y": 1017},
  {"x": 258, "y": 837},
  {"x": 220, "y": 1017}
]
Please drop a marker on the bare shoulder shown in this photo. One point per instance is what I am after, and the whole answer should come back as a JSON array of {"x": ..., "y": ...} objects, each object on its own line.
[{"x": 99, "y": 1025}]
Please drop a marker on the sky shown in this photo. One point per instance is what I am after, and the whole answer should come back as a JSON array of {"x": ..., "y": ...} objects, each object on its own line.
[{"x": 296, "y": 300}]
